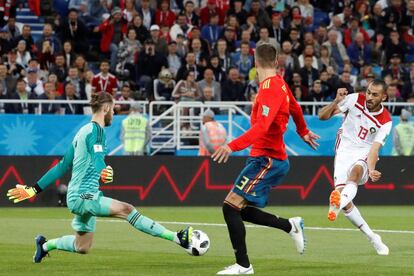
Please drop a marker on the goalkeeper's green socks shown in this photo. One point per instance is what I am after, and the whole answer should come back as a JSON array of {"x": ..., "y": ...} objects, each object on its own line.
[
  {"x": 65, "y": 243},
  {"x": 147, "y": 225}
]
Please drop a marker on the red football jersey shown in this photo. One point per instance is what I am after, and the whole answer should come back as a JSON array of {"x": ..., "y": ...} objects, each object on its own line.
[
  {"x": 105, "y": 84},
  {"x": 269, "y": 118}
]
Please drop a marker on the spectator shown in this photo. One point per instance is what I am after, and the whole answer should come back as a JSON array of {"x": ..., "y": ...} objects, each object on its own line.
[
  {"x": 180, "y": 27},
  {"x": 308, "y": 51},
  {"x": 209, "y": 10},
  {"x": 297, "y": 46},
  {"x": 73, "y": 77},
  {"x": 242, "y": 60},
  {"x": 196, "y": 34},
  {"x": 19, "y": 94},
  {"x": 321, "y": 34},
  {"x": 5, "y": 45},
  {"x": 150, "y": 63},
  {"x": 394, "y": 45},
  {"x": 88, "y": 84},
  {"x": 190, "y": 65},
  {"x": 392, "y": 16},
  {"x": 164, "y": 16},
  {"x": 276, "y": 29},
  {"x": 291, "y": 59},
  {"x": 74, "y": 30},
  {"x": 297, "y": 82},
  {"x": 113, "y": 30},
  {"x": 142, "y": 32},
  {"x": 252, "y": 88},
  {"x": 326, "y": 86},
  {"x": 195, "y": 47},
  {"x": 82, "y": 65},
  {"x": 336, "y": 50},
  {"x": 123, "y": 109},
  {"x": 245, "y": 37},
  {"x": 410, "y": 99},
  {"x": 164, "y": 86},
  {"x": 48, "y": 35},
  {"x": 392, "y": 97},
  {"x": 34, "y": 85},
  {"x": 104, "y": 81},
  {"x": 325, "y": 59},
  {"x": 208, "y": 81},
  {"x": 359, "y": 52},
  {"x": 147, "y": 13},
  {"x": 191, "y": 17},
  {"x": 219, "y": 72},
  {"x": 129, "y": 11},
  {"x": 186, "y": 89},
  {"x": 252, "y": 27},
  {"x": 49, "y": 94},
  {"x": 11, "y": 29},
  {"x": 403, "y": 136},
  {"x": 263, "y": 19},
  {"x": 264, "y": 38},
  {"x": 69, "y": 95},
  {"x": 7, "y": 82},
  {"x": 237, "y": 10},
  {"x": 69, "y": 54},
  {"x": 398, "y": 73},
  {"x": 309, "y": 39},
  {"x": 14, "y": 69},
  {"x": 135, "y": 132},
  {"x": 232, "y": 22},
  {"x": 128, "y": 52},
  {"x": 351, "y": 33},
  {"x": 337, "y": 25},
  {"x": 344, "y": 82},
  {"x": 26, "y": 36},
  {"x": 23, "y": 55},
  {"x": 232, "y": 88},
  {"x": 174, "y": 61},
  {"x": 308, "y": 73},
  {"x": 316, "y": 95},
  {"x": 59, "y": 68},
  {"x": 159, "y": 42},
  {"x": 97, "y": 8},
  {"x": 212, "y": 134},
  {"x": 230, "y": 37},
  {"x": 85, "y": 15},
  {"x": 212, "y": 31},
  {"x": 45, "y": 56},
  {"x": 59, "y": 88}
]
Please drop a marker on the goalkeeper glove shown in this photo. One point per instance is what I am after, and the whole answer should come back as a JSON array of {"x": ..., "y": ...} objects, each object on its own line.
[
  {"x": 107, "y": 175},
  {"x": 21, "y": 192}
]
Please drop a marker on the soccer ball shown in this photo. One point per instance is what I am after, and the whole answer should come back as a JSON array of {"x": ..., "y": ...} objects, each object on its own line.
[{"x": 200, "y": 243}]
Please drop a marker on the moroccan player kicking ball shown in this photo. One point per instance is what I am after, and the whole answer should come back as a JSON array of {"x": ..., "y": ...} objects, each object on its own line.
[
  {"x": 268, "y": 162},
  {"x": 86, "y": 158},
  {"x": 365, "y": 128}
]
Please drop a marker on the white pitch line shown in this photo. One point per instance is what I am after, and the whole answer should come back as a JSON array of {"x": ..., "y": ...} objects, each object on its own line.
[{"x": 259, "y": 226}]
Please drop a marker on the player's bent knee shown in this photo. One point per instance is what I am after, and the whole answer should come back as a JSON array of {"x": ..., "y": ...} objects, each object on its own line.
[
  {"x": 356, "y": 173},
  {"x": 236, "y": 201},
  {"x": 127, "y": 209}
]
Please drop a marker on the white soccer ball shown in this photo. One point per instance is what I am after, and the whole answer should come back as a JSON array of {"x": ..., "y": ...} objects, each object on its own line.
[{"x": 200, "y": 243}]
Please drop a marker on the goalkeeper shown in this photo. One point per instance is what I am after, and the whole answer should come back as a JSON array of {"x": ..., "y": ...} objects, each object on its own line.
[{"x": 86, "y": 158}]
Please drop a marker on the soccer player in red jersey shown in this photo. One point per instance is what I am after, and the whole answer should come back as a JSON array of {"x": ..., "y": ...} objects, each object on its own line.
[{"x": 267, "y": 164}]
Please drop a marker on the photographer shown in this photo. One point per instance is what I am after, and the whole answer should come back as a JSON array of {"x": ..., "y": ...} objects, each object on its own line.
[
  {"x": 150, "y": 63},
  {"x": 75, "y": 31}
]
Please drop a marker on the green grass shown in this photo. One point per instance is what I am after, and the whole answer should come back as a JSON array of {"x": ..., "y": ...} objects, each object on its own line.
[{"x": 121, "y": 250}]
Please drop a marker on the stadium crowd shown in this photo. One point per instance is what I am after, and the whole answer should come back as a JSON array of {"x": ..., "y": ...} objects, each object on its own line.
[{"x": 202, "y": 50}]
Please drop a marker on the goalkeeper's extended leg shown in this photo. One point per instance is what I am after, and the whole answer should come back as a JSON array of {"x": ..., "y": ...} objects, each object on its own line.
[{"x": 145, "y": 224}]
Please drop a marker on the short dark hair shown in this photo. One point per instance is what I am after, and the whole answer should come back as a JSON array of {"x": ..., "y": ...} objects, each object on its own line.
[
  {"x": 266, "y": 55},
  {"x": 377, "y": 82}
]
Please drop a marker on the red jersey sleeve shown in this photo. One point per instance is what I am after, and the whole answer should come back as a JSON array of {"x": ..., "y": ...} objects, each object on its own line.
[
  {"x": 296, "y": 111},
  {"x": 95, "y": 83},
  {"x": 268, "y": 107}
]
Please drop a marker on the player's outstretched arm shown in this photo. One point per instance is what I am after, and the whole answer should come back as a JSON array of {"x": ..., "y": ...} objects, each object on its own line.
[
  {"x": 23, "y": 192},
  {"x": 332, "y": 109},
  {"x": 372, "y": 161}
]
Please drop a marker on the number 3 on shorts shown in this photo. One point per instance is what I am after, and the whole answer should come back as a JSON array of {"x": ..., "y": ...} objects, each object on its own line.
[{"x": 243, "y": 182}]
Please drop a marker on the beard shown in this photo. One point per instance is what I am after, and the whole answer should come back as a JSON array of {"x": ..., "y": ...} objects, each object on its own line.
[{"x": 108, "y": 119}]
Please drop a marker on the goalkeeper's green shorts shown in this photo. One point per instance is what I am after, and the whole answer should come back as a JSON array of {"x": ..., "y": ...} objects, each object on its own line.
[{"x": 86, "y": 208}]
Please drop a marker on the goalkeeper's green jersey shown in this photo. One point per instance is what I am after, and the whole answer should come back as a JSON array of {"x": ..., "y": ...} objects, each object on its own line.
[{"x": 86, "y": 158}]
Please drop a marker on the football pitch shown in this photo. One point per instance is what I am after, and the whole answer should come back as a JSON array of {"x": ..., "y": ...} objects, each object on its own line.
[{"x": 119, "y": 249}]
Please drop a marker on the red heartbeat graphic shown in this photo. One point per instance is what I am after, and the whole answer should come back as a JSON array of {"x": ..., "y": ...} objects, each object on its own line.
[
  {"x": 203, "y": 173},
  {"x": 305, "y": 190}
]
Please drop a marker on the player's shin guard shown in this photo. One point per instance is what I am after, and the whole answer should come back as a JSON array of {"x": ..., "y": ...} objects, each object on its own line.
[
  {"x": 237, "y": 233},
  {"x": 354, "y": 216},
  {"x": 147, "y": 225},
  {"x": 65, "y": 243},
  {"x": 257, "y": 216},
  {"x": 348, "y": 193}
]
